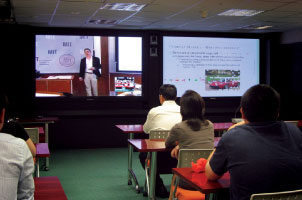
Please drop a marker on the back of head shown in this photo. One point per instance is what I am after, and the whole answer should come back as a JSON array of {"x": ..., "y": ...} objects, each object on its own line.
[
  {"x": 260, "y": 103},
  {"x": 168, "y": 91},
  {"x": 192, "y": 109}
]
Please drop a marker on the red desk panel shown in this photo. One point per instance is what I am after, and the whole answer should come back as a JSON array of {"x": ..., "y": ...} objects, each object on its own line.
[{"x": 200, "y": 181}]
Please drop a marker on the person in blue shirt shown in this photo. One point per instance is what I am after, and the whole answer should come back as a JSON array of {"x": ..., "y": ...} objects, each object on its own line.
[{"x": 263, "y": 155}]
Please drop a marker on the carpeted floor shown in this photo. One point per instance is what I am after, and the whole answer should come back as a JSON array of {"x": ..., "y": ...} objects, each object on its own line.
[{"x": 94, "y": 174}]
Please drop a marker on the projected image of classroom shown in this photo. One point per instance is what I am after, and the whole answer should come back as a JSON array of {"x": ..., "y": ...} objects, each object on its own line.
[
  {"x": 222, "y": 79},
  {"x": 63, "y": 67}
]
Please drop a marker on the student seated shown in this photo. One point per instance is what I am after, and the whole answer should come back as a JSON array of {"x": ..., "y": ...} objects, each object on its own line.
[
  {"x": 263, "y": 155},
  {"x": 17, "y": 167},
  {"x": 162, "y": 117},
  {"x": 194, "y": 131},
  {"x": 17, "y": 130}
]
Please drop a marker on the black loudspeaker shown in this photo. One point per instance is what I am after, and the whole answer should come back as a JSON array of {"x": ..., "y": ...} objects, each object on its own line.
[
  {"x": 153, "y": 40},
  {"x": 153, "y": 51}
]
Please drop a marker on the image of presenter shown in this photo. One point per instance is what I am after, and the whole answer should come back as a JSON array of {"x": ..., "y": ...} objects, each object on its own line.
[{"x": 90, "y": 72}]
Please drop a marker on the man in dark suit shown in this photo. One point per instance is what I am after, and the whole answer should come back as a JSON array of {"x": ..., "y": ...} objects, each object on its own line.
[{"x": 89, "y": 72}]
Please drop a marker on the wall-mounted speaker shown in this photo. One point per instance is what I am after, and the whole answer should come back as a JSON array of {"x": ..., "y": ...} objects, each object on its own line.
[
  {"x": 153, "y": 51},
  {"x": 153, "y": 40}
]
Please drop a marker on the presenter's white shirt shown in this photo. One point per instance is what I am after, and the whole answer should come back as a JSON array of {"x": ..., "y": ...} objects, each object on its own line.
[
  {"x": 16, "y": 169},
  {"x": 163, "y": 117},
  {"x": 88, "y": 65}
]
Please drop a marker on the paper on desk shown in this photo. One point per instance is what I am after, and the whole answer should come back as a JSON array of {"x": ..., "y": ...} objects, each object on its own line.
[{"x": 60, "y": 77}]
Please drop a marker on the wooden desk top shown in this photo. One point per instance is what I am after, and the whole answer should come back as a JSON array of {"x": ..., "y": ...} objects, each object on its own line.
[
  {"x": 138, "y": 128},
  {"x": 146, "y": 145},
  {"x": 222, "y": 126},
  {"x": 135, "y": 128},
  {"x": 42, "y": 150},
  {"x": 38, "y": 120},
  {"x": 200, "y": 181},
  {"x": 49, "y": 188}
]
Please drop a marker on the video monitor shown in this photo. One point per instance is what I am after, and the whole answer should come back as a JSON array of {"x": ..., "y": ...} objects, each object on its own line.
[
  {"x": 213, "y": 67},
  {"x": 126, "y": 86},
  {"x": 77, "y": 65}
]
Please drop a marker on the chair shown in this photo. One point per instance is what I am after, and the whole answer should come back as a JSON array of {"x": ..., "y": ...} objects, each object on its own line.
[
  {"x": 185, "y": 158},
  {"x": 287, "y": 195},
  {"x": 33, "y": 134},
  {"x": 154, "y": 135},
  {"x": 159, "y": 134}
]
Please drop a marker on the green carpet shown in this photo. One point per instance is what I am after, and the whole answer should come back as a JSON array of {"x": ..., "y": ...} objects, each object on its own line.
[{"x": 93, "y": 174}]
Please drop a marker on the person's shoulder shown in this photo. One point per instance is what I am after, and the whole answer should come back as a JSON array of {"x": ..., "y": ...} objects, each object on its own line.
[
  {"x": 209, "y": 123},
  {"x": 293, "y": 129},
  {"x": 235, "y": 132},
  {"x": 155, "y": 109},
  {"x": 180, "y": 125},
  {"x": 10, "y": 139}
]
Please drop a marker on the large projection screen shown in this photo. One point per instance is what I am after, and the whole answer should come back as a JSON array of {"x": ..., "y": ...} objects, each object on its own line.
[{"x": 213, "y": 67}]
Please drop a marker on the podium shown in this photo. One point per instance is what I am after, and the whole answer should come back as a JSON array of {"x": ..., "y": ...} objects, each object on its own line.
[{"x": 54, "y": 84}]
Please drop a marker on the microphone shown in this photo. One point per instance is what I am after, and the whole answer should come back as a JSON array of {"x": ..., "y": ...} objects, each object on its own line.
[
  {"x": 236, "y": 120},
  {"x": 237, "y": 110}
]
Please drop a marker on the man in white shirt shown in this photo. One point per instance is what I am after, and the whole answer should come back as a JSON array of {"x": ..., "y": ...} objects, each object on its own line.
[
  {"x": 16, "y": 164},
  {"x": 89, "y": 72},
  {"x": 163, "y": 117},
  {"x": 166, "y": 115}
]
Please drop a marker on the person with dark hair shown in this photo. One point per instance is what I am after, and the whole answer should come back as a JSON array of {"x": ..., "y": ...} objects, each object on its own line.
[
  {"x": 90, "y": 72},
  {"x": 162, "y": 117},
  {"x": 167, "y": 114},
  {"x": 194, "y": 132},
  {"x": 16, "y": 161},
  {"x": 263, "y": 155}
]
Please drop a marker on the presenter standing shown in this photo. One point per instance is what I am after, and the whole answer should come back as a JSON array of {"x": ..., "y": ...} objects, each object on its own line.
[{"x": 89, "y": 72}]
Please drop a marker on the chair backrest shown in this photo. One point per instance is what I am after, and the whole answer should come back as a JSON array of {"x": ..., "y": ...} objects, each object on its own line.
[
  {"x": 158, "y": 134},
  {"x": 287, "y": 195},
  {"x": 33, "y": 134},
  {"x": 292, "y": 122},
  {"x": 187, "y": 156}
]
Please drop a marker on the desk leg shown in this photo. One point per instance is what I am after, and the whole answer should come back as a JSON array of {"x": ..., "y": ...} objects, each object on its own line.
[
  {"x": 209, "y": 197},
  {"x": 153, "y": 175},
  {"x": 46, "y": 140},
  {"x": 130, "y": 170}
]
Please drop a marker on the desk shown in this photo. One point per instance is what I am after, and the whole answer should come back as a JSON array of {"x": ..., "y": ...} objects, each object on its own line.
[
  {"x": 138, "y": 128},
  {"x": 38, "y": 121},
  {"x": 152, "y": 146},
  {"x": 130, "y": 130},
  {"x": 49, "y": 188},
  {"x": 42, "y": 152},
  {"x": 222, "y": 127},
  {"x": 199, "y": 181},
  {"x": 60, "y": 84}
]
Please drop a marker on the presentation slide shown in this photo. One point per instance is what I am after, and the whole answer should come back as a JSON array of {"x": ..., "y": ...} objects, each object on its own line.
[{"x": 213, "y": 67}]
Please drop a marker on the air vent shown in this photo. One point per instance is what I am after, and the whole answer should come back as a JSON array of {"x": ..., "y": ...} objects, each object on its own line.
[
  {"x": 123, "y": 6},
  {"x": 102, "y": 21},
  {"x": 241, "y": 12}
]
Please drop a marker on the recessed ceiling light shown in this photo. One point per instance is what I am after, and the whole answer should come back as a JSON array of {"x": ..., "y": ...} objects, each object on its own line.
[
  {"x": 240, "y": 12},
  {"x": 102, "y": 21},
  {"x": 256, "y": 27},
  {"x": 123, "y": 6},
  {"x": 263, "y": 27}
]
